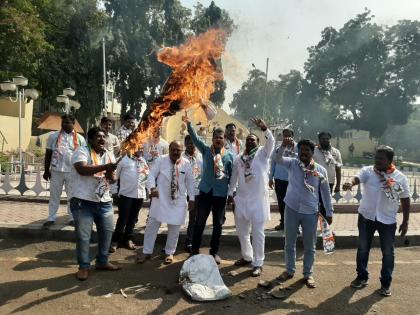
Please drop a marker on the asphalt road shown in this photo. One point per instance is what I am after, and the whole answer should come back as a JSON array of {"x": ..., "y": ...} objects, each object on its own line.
[{"x": 37, "y": 277}]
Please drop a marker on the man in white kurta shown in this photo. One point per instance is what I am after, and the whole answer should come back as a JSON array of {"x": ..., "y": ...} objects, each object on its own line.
[
  {"x": 170, "y": 181},
  {"x": 250, "y": 178}
]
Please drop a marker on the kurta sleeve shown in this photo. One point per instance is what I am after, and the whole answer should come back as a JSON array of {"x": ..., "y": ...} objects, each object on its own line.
[
  {"x": 154, "y": 173},
  {"x": 269, "y": 144},
  {"x": 234, "y": 179}
]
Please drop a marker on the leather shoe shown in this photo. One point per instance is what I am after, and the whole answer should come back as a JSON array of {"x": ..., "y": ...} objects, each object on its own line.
[
  {"x": 82, "y": 274},
  {"x": 107, "y": 267}
]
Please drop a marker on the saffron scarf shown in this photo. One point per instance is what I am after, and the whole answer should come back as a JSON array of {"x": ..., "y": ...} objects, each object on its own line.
[
  {"x": 75, "y": 139},
  {"x": 310, "y": 170},
  {"x": 247, "y": 160},
  {"x": 389, "y": 185},
  {"x": 219, "y": 169}
]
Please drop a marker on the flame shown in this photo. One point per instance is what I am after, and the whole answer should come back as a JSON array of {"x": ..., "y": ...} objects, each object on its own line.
[{"x": 192, "y": 81}]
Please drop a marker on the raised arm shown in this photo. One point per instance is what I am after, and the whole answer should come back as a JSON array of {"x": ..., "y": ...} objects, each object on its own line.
[
  {"x": 198, "y": 142},
  {"x": 278, "y": 157}
]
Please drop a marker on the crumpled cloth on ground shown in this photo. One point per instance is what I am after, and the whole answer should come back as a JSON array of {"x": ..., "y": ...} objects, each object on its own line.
[{"x": 201, "y": 280}]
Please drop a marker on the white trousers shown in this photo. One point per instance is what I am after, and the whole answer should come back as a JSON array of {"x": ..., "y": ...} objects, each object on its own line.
[
  {"x": 251, "y": 252},
  {"x": 56, "y": 188},
  {"x": 150, "y": 234}
]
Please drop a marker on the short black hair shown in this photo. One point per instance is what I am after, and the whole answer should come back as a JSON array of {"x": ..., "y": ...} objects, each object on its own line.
[
  {"x": 230, "y": 125},
  {"x": 93, "y": 131},
  {"x": 253, "y": 134},
  {"x": 129, "y": 116},
  {"x": 187, "y": 137},
  {"x": 387, "y": 150},
  {"x": 324, "y": 133},
  {"x": 217, "y": 130},
  {"x": 105, "y": 120},
  {"x": 308, "y": 143},
  {"x": 68, "y": 117},
  {"x": 289, "y": 130}
]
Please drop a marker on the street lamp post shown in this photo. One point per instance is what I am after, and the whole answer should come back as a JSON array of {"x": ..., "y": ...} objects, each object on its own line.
[
  {"x": 18, "y": 84},
  {"x": 65, "y": 98},
  {"x": 265, "y": 87}
]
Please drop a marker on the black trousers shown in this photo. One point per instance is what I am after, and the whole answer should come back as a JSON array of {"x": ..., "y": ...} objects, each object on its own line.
[
  {"x": 192, "y": 217},
  {"x": 321, "y": 204},
  {"x": 216, "y": 205},
  {"x": 128, "y": 212},
  {"x": 280, "y": 187}
]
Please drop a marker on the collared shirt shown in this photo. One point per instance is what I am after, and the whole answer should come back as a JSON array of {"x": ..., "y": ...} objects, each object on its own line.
[
  {"x": 62, "y": 147},
  {"x": 196, "y": 166},
  {"x": 85, "y": 187},
  {"x": 209, "y": 182},
  {"x": 298, "y": 197},
  {"x": 123, "y": 133},
  {"x": 375, "y": 204},
  {"x": 133, "y": 173},
  {"x": 152, "y": 151},
  {"x": 329, "y": 162},
  {"x": 234, "y": 147},
  {"x": 112, "y": 144},
  {"x": 278, "y": 171}
]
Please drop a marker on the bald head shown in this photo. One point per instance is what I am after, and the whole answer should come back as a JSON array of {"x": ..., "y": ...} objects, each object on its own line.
[{"x": 175, "y": 150}]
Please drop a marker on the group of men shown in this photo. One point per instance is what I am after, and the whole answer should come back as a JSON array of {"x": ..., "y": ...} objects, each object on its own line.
[{"x": 196, "y": 178}]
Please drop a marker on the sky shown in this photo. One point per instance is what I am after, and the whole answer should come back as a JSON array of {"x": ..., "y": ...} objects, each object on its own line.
[{"x": 282, "y": 30}]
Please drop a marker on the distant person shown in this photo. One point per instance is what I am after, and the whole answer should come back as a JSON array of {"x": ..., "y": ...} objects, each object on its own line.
[
  {"x": 196, "y": 159},
  {"x": 155, "y": 147},
  {"x": 384, "y": 187},
  {"x": 132, "y": 173},
  {"x": 170, "y": 182},
  {"x": 252, "y": 211},
  {"x": 306, "y": 179},
  {"x": 232, "y": 143},
  {"x": 112, "y": 141},
  {"x": 214, "y": 184},
  {"x": 351, "y": 150},
  {"x": 129, "y": 123},
  {"x": 60, "y": 148},
  {"x": 279, "y": 176},
  {"x": 330, "y": 158},
  {"x": 94, "y": 170}
]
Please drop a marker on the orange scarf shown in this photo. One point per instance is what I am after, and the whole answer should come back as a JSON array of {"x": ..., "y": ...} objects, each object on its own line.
[{"x": 75, "y": 139}]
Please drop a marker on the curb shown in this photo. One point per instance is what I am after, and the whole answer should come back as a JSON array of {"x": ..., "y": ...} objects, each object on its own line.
[{"x": 274, "y": 240}]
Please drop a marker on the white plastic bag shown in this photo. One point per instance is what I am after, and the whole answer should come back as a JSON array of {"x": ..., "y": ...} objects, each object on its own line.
[
  {"x": 201, "y": 280},
  {"x": 209, "y": 109}
]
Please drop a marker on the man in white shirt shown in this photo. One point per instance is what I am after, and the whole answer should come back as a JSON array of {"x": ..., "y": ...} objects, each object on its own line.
[
  {"x": 112, "y": 142},
  {"x": 155, "y": 147},
  {"x": 250, "y": 179},
  {"x": 383, "y": 188},
  {"x": 330, "y": 158},
  {"x": 232, "y": 143},
  {"x": 129, "y": 123},
  {"x": 60, "y": 147},
  {"x": 170, "y": 182},
  {"x": 132, "y": 172},
  {"x": 91, "y": 201},
  {"x": 196, "y": 159}
]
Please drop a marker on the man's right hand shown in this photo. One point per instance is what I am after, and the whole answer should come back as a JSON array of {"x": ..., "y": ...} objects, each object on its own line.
[
  {"x": 47, "y": 175},
  {"x": 185, "y": 118},
  {"x": 287, "y": 142},
  {"x": 271, "y": 183},
  {"x": 110, "y": 167},
  {"x": 154, "y": 193},
  {"x": 230, "y": 200}
]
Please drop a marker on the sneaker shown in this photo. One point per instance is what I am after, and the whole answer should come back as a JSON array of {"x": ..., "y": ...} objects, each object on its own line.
[
  {"x": 48, "y": 224},
  {"x": 113, "y": 247},
  {"x": 384, "y": 291},
  {"x": 359, "y": 283},
  {"x": 256, "y": 272}
]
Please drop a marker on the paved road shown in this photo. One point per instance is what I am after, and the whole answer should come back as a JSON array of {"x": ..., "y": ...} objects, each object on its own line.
[{"x": 38, "y": 278}]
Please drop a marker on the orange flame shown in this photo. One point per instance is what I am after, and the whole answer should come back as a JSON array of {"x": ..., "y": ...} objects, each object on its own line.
[{"x": 192, "y": 81}]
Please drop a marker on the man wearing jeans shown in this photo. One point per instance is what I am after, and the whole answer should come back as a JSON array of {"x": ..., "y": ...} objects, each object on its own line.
[
  {"x": 306, "y": 180},
  {"x": 91, "y": 201},
  {"x": 217, "y": 169},
  {"x": 383, "y": 188}
]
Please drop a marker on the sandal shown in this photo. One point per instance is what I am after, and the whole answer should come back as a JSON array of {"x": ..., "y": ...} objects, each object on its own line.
[
  {"x": 310, "y": 282},
  {"x": 169, "y": 259},
  {"x": 242, "y": 262}
]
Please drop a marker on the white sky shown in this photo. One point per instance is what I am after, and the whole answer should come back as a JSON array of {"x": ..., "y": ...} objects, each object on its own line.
[{"x": 282, "y": 30}]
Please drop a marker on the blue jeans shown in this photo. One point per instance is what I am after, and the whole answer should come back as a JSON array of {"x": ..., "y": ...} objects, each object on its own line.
[
  {"x": 85, "y": 213},
  {"x": 386, "y": 232},
  {"x": 292, "y": 220}
]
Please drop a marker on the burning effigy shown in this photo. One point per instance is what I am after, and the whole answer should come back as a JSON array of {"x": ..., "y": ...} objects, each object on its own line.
[{"x": 195, "y": 71}]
